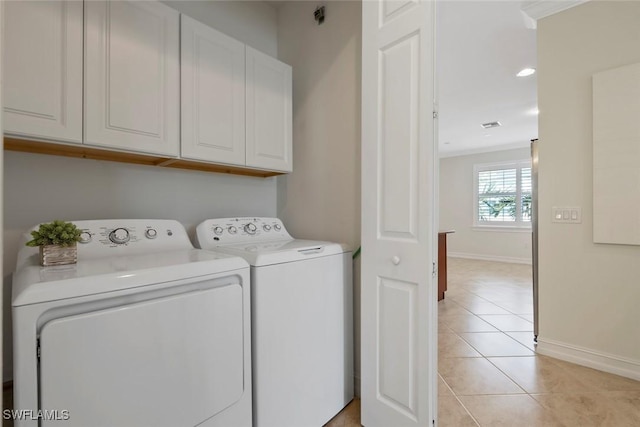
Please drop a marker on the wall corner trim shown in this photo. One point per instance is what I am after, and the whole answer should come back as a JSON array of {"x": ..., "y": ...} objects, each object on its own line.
[
  {"x": 593, "y": 359},
  {"x": 542, "y": 8}
]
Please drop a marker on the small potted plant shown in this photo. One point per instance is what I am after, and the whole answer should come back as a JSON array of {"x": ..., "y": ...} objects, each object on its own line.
[{"x": 57, "y": 241}]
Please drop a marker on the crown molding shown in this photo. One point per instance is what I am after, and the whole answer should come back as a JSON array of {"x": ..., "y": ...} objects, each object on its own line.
[
  {"x": 490, "y": 149},
  {"x": 535, "y": 10}
]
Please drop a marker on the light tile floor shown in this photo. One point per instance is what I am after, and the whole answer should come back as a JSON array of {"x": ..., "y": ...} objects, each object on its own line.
[{"x": 489, "y": 374}]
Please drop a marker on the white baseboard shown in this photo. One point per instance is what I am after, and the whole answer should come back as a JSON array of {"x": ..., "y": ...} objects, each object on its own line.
[
  {"x": 496, "y": 258},
  {"x": 593, "y": 359}
]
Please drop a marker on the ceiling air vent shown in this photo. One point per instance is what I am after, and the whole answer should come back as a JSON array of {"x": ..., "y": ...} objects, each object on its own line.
[{"x": 490, "y": 125}]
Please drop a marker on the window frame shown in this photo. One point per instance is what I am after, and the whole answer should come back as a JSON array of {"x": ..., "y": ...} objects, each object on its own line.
[{"x": 518, "y": 225}]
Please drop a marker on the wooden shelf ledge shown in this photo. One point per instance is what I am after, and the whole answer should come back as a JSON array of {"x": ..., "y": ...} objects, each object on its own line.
[{"x": 84, "y": 152}]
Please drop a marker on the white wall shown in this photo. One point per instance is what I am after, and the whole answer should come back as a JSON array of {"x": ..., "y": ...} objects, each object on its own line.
[
  {"x": 252, "y": 22},
  {"x": 457, "y": 211},
  {"x": 321, "y": 198},
  {"x": 589, "y": 293},
  {"x": 41, "y": 188}
]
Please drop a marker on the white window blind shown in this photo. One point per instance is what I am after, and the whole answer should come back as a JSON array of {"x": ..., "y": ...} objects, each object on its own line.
[{"x": 503, "y": 194}]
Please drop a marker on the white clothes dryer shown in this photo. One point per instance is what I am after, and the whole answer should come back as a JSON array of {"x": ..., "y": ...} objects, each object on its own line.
[
  {"x": 302, "y": 319},
  {"x": 144, "y": 330}
]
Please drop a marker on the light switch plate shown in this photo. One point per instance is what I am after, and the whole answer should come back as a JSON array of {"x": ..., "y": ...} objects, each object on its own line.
[{"x": 566, "y": 215}]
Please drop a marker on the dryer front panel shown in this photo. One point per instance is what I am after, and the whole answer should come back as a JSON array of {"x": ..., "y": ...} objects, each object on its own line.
[{"x": 170, "y": 361}]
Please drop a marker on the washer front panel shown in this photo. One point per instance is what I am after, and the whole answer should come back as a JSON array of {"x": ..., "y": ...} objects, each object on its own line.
[{"x": 302, "y": 341}]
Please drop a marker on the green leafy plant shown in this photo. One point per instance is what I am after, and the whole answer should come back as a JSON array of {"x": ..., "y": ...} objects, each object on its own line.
[{"x": 55, "y": 233}]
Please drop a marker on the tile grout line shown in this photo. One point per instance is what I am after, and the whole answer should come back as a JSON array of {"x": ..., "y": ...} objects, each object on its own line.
[
  {"x": 487, "y": 359},
  {"x": 459, "y": 401},
  {"x": 501, "y": 332}
]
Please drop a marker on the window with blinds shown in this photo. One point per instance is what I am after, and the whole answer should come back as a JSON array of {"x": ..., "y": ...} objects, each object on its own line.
[{"x": 503, "y": 194}]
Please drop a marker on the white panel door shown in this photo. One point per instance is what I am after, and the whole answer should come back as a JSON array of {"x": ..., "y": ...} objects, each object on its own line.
[
  {"x": 132, "y": 81},
  {"x": 172, "y": 361},
  {"x": 269, "y": 112},
  {"x": 43, "y": 69},
  {"x": 398, "y": 221},
  {"x": 213, "y": 95}
]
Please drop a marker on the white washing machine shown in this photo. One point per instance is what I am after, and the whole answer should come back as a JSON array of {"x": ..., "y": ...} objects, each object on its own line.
[
  {"x": 302, "y": 319},
  {"x": 144, "y": 330}
]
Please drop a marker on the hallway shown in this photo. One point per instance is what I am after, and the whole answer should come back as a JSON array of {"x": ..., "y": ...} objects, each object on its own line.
[{"x": 489, "y": 373}]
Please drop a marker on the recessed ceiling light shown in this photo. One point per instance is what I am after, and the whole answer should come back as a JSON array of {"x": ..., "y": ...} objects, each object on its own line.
[{"x": 526, "y": 72}]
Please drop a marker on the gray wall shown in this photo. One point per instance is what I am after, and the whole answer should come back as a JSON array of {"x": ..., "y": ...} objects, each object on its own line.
[
  {"x": 41, "y": 188},
  {"x": 251, "y": 22},
  {"x": 321, "y": 198}
]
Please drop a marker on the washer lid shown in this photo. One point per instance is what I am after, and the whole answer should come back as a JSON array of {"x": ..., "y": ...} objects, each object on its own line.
[
  {"x": 35, "y": 284},
  {"x": 281, "y": 251}
]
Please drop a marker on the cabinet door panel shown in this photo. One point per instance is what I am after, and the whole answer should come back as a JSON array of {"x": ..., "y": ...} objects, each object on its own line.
[
  {"x": 132, "y": 76},
  {"x": 212, "y": 95},
  {"x": 43, "y": 69},
  {"x": 268, "y": 112}
]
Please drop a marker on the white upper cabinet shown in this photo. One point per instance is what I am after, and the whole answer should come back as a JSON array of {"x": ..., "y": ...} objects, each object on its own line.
[
  {"x": 132, "y": 92},
  {"x": 213, "y": 95},
  {"x": 43, "y": 69},
  {"x": 268, "y": 112},
  {"x": 136, "y": 76}
]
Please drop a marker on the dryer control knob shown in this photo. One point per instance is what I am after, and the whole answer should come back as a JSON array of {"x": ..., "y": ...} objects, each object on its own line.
[
  {"x": 151, "y": 233},
  {"x": 250, "y": 228},
  {"x": 266, "y": 227},
  {"x": 232, "y": 230},
  {"x": 85, "y": 237},
  {"x": 276, "y": 227},
  {"x": 218, "y": 230},
  {"x": 119, "y": 236}
]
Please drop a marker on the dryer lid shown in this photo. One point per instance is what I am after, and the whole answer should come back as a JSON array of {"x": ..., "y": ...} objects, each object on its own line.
[
  {"x": 282, "y": 251},
  {"x": 260, "y": 241}
]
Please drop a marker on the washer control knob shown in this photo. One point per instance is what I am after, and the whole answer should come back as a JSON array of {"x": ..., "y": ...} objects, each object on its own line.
[
  {"x": 277, "y": 227},
  {"x": 266, "y": 227},
  {"x": 232, "y": 230},
  {"x": 119, "y": 236},
  {"x": 151, "y": 233},
  {"x": 218, "y": 230},
  {"x": 85, "y": 237},
  {"x": 250, "y": 228}
]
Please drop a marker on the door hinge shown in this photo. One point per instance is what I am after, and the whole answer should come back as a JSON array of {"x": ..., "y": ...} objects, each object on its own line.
[
  {"x": 434, "y": 270},
  {"x": 38, "y": 348},
  {"x": 435, "y": 114}
]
